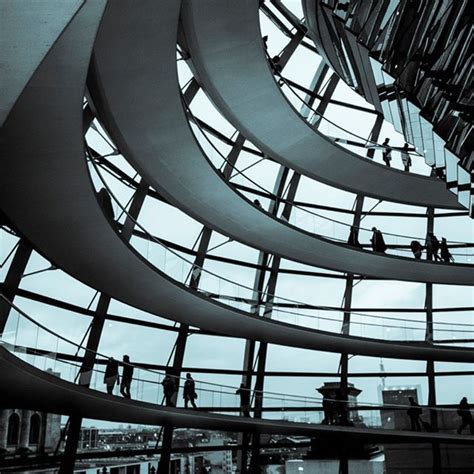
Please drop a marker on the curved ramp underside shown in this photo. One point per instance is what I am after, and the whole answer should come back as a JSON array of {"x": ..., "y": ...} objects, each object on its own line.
[
  {"x": 149, "y": 125},
  {"x": 40, "y": 24},
  {"x": 33, "y": 389},
  {"x": 46, "y": 191},
  {"x": 228, "y": 55}
]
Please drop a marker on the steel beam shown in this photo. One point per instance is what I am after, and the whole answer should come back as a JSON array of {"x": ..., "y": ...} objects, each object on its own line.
[{"x": 13, "y": 278}]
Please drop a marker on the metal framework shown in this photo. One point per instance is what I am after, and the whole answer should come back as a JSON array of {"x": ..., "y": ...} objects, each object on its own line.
[{"x": 268, "y": 268}]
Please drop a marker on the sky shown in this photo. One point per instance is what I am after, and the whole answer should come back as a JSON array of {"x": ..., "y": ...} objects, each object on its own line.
[{"x": 167, "y": 222}]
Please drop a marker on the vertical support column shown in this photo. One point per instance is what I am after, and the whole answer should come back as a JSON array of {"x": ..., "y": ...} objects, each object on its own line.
[
  {"x": 88, "y": 362},
  {"x": 359, "y": 203},
  {"x": 45, "y": 418},
  {"x": 250, "y": 346},
  {"x": 344, "y": 362},
  {"x": 430, "y": 370},
  {"x": 259, "y": 383},
  {"x": 249, "y": 353},
  {"x": 13, "y": 278},
  {"x": 262, "y": 360},
  {"x": 72, "y": 440},
  {"x": 429, "y": 287},
  {"x": 279, "y": 190},
  {"x": 165, "y": 457},
  {"x": 181, "y": 340},
  {"x": 271, "y": 289},
  {"x": 348, "y": 300},
  {"x": 3, "y": 428},
  {"x": 180, "y": 347},
  {"x": 25, "y": 428},
  {"x": 429, "y": 335},
  {"x": 96, "y": 328}
]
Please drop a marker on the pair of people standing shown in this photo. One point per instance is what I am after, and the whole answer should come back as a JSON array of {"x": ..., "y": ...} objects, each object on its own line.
[
  {"x": 387, "y": 155},
  {"x": 170, "y": 388},
  {"x": 377, "y": 241},
  {"x": 111, "y": 376}
]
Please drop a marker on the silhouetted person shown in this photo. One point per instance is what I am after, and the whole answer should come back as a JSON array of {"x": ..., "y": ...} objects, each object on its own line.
[
  {"x": 445, "y": 253},
  {"x": 127, "y": 377},
  {"x": 106, "y": 203},
  {"x": 329, "y": 408},
  {"x": 353, "y": 239},
  {"x": 414, "y": 413},
  {"x": 377, "y": 241},
  {"x": 387, "y": 152},
  {"x": 111, "y": 376},
  {"x": 439, "y": 173},
  {"x": 244, "y": 394},
  {"x": 275, "y": 63},
  {"x": 169, "y": 389},
  {"x": 257, "y": 203},
  {"x": 406, "y": 158},
  {"x": 466, "y": 416},
  {"x": 416, "y": 248},
  {"x": 432, "y": 247},
  {"x": 189, "y": 391}
]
